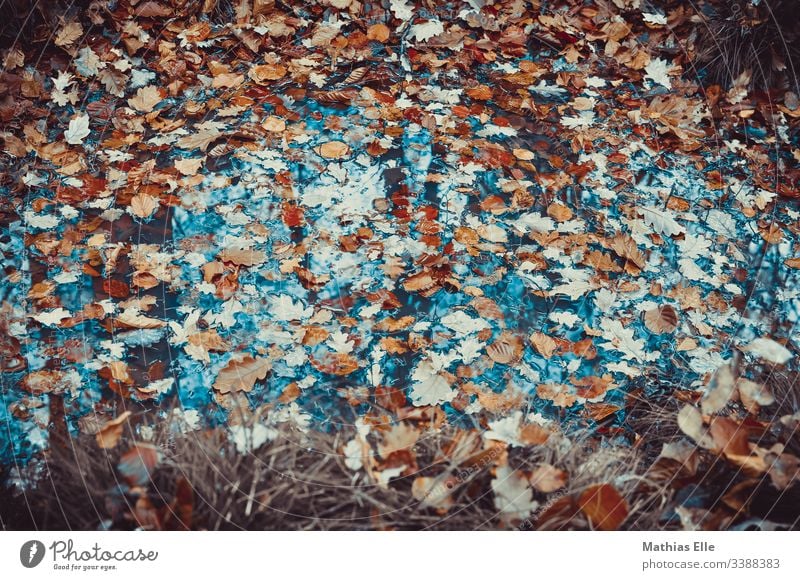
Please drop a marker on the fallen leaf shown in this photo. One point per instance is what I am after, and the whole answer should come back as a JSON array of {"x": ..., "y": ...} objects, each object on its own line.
[
  {"x": 606, "y": 509},
  {"x": 78, "y": 130},
  {"x": 143, "y": 205},
  {"x": 690, "y": 421},
  {"x": 721, "y": 389},
  {"x": 242, "y": 374},
  {"x": 769, "y": 350},
  {"x": 245, "y": 258},
  {"x": 754, "y": 395},
  {"x": 379, "y": 32},
  {"x": 661, "y": 320},
  {"x": 189, "y": 166},
  {"x": 267, "y": 72},
  {"x": 333, "y": 150},
  {"x": 546, "y": 478},
  {"x": 109, "y": 434},
  {"x": 68, "y": 34},
  {"x": 544, "y": 344},
  {"x": 146, "y": 99}
]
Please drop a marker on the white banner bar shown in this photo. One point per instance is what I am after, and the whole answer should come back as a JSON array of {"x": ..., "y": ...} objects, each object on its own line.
[{"x": 354, "y": 555}]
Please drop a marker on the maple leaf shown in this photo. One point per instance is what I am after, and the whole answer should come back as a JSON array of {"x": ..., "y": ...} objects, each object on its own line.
[
  {"x": 658, "y": 71},
  {"x": 621, "y": 339},
  {"x": 513, "y": 495},
  {"x": 429, "y": 387},
  {"x": 146, "y": 99}
]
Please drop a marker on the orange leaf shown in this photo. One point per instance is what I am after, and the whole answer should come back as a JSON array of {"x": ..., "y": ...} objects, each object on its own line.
[
  {"x": 604, "y": 506},
  {"x": 334, "y": 150},
  {"x": 379, "y": 32}
]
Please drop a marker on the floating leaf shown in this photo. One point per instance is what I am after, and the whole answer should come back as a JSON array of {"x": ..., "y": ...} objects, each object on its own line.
[
  {"x": 146, "y": 99},
  {"x": 242, "y": 374},
  {"x": 334, "y": 150},
  {"x": 661, "y": 320}
]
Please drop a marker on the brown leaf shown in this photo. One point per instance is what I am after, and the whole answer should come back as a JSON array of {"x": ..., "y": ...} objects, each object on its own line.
[
  {"x": 559, "y": 212},
  {"x": 209, "y": 340},
  {"x": 625, "y": 247},
  {"x": 339, "y": 364},
  {"x": 43, "y": 381},
  {"x": 146, "y": 99},
  {"x": 68, "y": 34},
  {"x": 143, "y": 205},
  {"x": 267, "y": 72},
  {"x": 604, "y": 506},
  {"x": 690, "y": 421},
  {"x": 720, "y": 390},
  {"x": 245, "y": 258},
  {"x": 506, "y": 349},
  {"x": 152, "y": 10},
  {"x": 661, "y": 320},
  {"x": 401, "y": 437},
  {"x": 419, "y": 282},
  {"x": 333, "y": 150},
  {"x": 544, "y": 344},
  {"x": 241, "y": 375},
  {"x": 109, "y": 434},
  {"x": 137, "y": 464},
  {"x": 133, "y": 319}
]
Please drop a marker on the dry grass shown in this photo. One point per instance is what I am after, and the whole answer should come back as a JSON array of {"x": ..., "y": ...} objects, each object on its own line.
[{"x": 736, "y": 36}]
